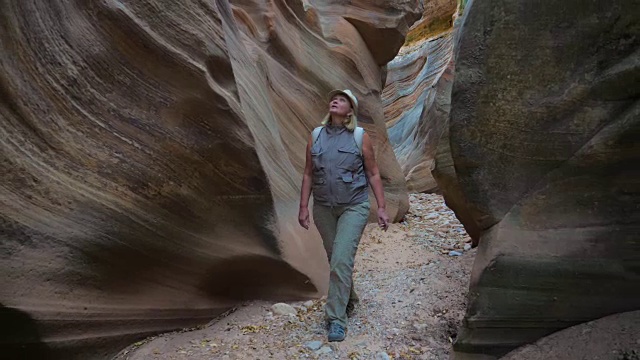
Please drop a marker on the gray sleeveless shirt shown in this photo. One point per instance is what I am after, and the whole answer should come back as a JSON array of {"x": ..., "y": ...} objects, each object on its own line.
[{"x": 338, "y": 169}]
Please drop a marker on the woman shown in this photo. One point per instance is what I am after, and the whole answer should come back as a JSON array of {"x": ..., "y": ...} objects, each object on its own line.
[{"x": 338, "y": 172}]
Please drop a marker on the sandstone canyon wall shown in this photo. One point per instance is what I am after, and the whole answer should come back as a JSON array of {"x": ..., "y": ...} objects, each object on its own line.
[
  {"x": 417, "y": 104},
  {"x": 416, "y": 97},
  {"x": 437, "y": 18},
  {"x": 151, "y": 154},
  {"x": 543, "y": 136},
  {"x": 416, "y": 100}
]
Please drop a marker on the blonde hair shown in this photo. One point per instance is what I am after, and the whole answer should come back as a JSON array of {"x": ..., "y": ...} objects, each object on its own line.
[{"x": 351, "y": 121}]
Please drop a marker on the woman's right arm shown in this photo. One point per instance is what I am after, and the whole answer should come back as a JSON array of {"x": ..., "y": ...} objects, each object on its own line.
[{"x": 305, "y": 192}]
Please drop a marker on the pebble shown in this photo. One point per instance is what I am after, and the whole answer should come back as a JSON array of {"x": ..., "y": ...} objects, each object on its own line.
[
  {"x": 467, "y": 247},
  {"x": 323, "y": 350},
  {"x": 420, "y": 327},
  {"x": 454, "y": 253},
  {"x": 437, "y": 226},
  {"x": 293, "y": 319},
  {"x": 283, "y": 309},
  {"x": 314, "y": 345},
  {"x": 297, "y": 331}
]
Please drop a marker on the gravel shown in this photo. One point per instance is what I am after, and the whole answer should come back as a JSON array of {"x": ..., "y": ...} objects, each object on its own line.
[{"x": 412, "y": 301}]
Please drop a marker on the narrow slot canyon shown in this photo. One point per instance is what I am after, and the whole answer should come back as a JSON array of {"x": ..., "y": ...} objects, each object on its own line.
[{"x": 152, "y": 155}]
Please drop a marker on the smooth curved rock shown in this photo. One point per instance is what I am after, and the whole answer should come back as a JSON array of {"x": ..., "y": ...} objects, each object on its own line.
[
  {"x": 417, "y": 93},
  {"x": 151, "y": 154},
  {"x": 443, "y": 170},
  {"x": 416, "y": 99},
  {"x": 444, "y": 173},
  {"x": 612, "y": 337},
  {"x": 544, "y": 127}
]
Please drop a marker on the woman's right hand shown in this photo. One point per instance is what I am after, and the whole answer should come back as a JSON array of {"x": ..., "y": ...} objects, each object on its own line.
[
  {"x": 383, "y": 219},
  {"x": 303, "y": 217}
]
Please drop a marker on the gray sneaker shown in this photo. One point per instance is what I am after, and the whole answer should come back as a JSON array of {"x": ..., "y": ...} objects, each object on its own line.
[{"x": 336, "y": 332}]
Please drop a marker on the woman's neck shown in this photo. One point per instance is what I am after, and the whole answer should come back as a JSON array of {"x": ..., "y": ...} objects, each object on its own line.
[{"x": 337, "y": 121}]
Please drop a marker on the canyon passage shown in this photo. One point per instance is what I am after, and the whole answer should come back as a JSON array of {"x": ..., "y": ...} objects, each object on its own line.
[{"x": 152, "y": 154}]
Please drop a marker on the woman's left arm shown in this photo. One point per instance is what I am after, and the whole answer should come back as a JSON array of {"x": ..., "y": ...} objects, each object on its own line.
[{"x": 371, "y": 168}]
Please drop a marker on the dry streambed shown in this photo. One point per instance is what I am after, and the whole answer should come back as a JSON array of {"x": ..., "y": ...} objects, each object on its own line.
[{"x": 412, "y": 281}]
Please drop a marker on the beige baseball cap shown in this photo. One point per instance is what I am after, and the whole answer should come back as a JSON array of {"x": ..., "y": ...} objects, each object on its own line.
[{"x": 349, "y": 95}]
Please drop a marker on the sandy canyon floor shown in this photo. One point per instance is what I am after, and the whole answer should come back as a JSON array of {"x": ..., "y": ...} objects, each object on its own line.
[{"x": 412, "y": 281}]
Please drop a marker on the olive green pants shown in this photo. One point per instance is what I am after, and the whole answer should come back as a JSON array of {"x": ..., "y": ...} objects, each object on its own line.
[{"x": 340, "y": 228}]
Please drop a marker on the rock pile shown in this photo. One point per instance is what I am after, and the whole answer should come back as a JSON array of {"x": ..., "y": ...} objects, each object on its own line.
[{"x": 434, "y": 225}]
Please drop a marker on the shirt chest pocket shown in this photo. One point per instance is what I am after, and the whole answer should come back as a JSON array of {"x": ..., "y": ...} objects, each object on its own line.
[
  {"x": 317, "y": 158},
  {"x": 350, "y": 180},
  {"x": 349, "y": 166},
  {"x": 349, "y": 158}
]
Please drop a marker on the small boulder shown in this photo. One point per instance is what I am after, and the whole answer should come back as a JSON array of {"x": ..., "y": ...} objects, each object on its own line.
[
  {"x": 313, "y": 345},
  {"x": 323, "y": 350},
  {"x": 420, "y": 326},
  {"x": 283, "y": 309}
]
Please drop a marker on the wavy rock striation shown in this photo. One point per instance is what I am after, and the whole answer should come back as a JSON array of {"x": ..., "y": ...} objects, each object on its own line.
[
  {"x": 543, "y": 134},
  {"x": 417, "y": 93},
  {"x": 417, "y": 104},
  {"x": 151, "y": 154}
]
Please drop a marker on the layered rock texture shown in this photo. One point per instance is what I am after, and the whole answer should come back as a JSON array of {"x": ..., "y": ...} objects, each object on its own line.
[
  {"x": 417, "y": 93},
  {"x": 151, "y": 154},
  {"x": 544, "y": 129},
  {"x": 417, "y": 103},
  {"x": 416, "y": 100},
  {"x": 436, "y": 19}
]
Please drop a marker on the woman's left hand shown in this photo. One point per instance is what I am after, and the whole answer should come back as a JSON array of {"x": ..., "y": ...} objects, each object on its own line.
[
  {"x": 383, "y": 219},
  {"x": 303, "y": 217}
]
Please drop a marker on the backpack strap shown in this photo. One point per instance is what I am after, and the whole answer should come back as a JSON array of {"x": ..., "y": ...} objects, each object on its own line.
[
  {"x": 315, "y": 134},
  {"x": 358, "y": 134}
]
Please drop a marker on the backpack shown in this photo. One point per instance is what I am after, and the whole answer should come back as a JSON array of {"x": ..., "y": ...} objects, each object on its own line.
[{"x": 358, "y": 133}]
